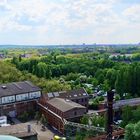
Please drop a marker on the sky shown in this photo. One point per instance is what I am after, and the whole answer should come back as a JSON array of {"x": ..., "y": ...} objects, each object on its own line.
[{"x": 45, "y": 22}]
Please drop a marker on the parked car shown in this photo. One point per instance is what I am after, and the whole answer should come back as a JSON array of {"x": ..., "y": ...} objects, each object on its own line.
[
  {"x": 101, "y": 92},
  {"x": 117, "y": 122}
]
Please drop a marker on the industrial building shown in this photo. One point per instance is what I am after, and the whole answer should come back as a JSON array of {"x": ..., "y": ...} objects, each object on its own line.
[{"x": 17, "y": 97}]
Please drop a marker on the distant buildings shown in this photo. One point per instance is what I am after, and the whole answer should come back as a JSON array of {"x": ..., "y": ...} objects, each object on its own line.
[
  {"x": 120, "y": 55},
  {"x": 2, "y": 56},
  {"x": 26, "y": 55}
]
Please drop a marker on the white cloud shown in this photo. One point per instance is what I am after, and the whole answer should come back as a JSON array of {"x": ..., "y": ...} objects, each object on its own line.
[
  {"x": 132, "y": 13},
  {"x": 44, "y": 17}
]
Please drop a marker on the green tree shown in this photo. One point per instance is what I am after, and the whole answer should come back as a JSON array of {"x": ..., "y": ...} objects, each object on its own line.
[
  {"x": 136, "y": 114},
  {"x": 126, "y": 115},
  {"x": 132, "y": 131},
  {"x": 119, "y": 84},
  {"x": 85, "y": 119},
  {"x": 41, "y": 69},
  {"x": 48, "y": 72},
  {"x": 117, "y": 97},
  {"x": 98, "y": 120},
  {"x": 129, "y": 132},
  {"x": 15, "y": 60},
  {"x": 137, "y": 130},
  {"x": 95, "y": 82},
  {"x": 37, "y": 116},
  {"x": 43, "y": 119}
]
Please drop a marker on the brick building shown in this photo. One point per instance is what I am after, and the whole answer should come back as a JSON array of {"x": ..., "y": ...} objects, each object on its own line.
[
  {"x": 17, "y": 97},
  {"x": 58, "y": 109},
  {"x": 64, "y": 105},
  {"x": 79, "y": 96}
]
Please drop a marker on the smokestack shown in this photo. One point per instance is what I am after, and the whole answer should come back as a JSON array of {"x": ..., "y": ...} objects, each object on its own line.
[{"x": 110, "y": 97}]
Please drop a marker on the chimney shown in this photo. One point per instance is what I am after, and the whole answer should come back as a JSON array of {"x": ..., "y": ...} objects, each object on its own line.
[{"x": 110, "y": 97}]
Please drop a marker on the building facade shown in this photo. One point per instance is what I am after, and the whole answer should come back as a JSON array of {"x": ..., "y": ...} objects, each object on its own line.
[
  {"x": 17, "y": 97},
  {"x": 58, "y": 109}
]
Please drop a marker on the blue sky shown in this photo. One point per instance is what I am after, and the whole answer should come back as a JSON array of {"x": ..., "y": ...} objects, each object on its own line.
[{"x": 69, "y": 21}]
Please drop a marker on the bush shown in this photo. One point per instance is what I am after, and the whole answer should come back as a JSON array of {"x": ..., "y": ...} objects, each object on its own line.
[
  {"x": 117, "y": 97},
  {"x": 43, "y": 119},
  {"x": 95, "y": 106},
  {"x": 101, "y": 98},
  {"x": 24, "y": 117}
]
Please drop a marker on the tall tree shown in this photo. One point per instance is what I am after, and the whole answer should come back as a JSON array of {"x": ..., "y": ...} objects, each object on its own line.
[{"x": 41, "y": 69}]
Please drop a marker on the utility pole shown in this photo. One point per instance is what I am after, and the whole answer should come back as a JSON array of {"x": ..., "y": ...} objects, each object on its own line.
[{"x": 110, "y": 97}]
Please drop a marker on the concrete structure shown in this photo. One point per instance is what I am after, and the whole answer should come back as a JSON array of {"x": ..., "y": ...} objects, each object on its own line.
[
  {"x": 17, "y": 97},
  {"x": 3, "y": 120},
  {"x": 19, "y": 131}
]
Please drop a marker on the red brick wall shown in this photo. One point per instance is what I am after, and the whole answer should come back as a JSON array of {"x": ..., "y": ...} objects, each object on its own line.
[
  {"x": 19, "y": 107},
  {"x": 74, "y": 113},
  {"x": 53, "y": 120}
]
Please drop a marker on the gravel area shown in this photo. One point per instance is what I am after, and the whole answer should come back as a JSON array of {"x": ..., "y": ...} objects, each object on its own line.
[{"x": 42, "y": 135}]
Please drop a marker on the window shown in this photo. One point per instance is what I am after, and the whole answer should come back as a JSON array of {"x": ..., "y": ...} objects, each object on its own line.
[
  {"x": 8, "y": 99},
  {"x": 34, "y": 94},
  {"x": 22, "y": 97},
  {"x": 75, "y": 113}
]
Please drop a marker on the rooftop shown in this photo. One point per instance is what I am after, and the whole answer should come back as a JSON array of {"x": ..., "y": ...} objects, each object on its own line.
[
  {"x": 18, "y": 130},
  {"x": 17, "y": 88},
  {"x": 129, "y": 102},
  {"x": 64, "y": 104},
  {"x": 71, "y": 94}
]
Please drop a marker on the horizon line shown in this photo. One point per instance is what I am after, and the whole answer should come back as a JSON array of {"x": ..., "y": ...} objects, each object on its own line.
[{"x": 82, "y": 44}]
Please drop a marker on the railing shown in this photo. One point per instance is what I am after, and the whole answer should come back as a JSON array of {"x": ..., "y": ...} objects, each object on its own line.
[{"x": 88, "y": 127}]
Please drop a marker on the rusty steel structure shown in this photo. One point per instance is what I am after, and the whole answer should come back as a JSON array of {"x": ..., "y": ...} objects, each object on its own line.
[{"x": 110, "y": 97}]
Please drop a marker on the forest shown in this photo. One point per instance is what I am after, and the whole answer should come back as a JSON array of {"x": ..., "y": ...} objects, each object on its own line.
[
  {"x": 76, "y": 70},
  {"x": 9, "y": 73}
]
